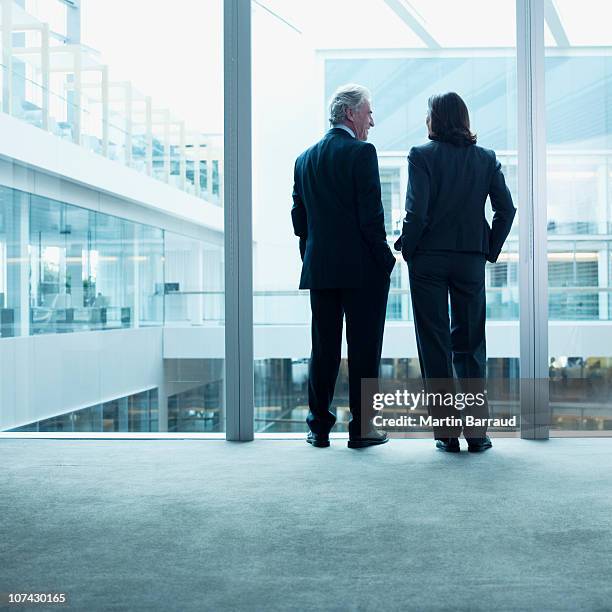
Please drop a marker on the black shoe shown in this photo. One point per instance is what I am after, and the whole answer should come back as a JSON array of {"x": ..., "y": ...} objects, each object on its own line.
[
  {"x": 317, "y": 440},
  {"x": 478, "y": 445},
  {"x": 449, "y": 445},
  {"x": 372, "y": 438}
]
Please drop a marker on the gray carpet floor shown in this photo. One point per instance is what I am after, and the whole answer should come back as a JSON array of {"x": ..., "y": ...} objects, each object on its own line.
[{"x": 277, "y": 525}]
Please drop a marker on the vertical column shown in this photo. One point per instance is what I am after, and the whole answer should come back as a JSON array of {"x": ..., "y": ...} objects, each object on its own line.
[
  {"x": 196, "y": 163},
  {"x": 163, "y": 283},
  {"x": 18, "y": 68},
  {"x": 73, "y": 37},
  {"x": 602, "y": 253},
  {"x": 18, "y": 262},
  {"x": 603, "y": 280},
  {"x": 238, "y": 221},
  {"x": 123, "y": 410},
  {"x": 104, "y": 94},
  {"x": 209, "y": 170},
  {"x": 182, "y": 159},
  {"x": 149, "y": 134},
  {"x": 24, "y": 262},
  {"x": 7, "y": 55},
  {"x": 45, "y": 70},
  {"x": 76, "y": 96},
  {"x": 74, "y": 267},
  {"x": 128, "y": 123},
  {"x": 221, "y": 177},
  {"x": 167, "y": 146},
  {"x": 138, "y": 250},
  {"x": 533, "y": 265},
  {"x": 203, "y": 284},
  {"x": 162, "y": 400},
  {"x": 73, "y": 22}
]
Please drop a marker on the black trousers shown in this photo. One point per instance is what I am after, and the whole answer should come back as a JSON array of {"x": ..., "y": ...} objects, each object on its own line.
[
  {"x": 365, "y": 309},
  {"x": 452, "y": 346}
]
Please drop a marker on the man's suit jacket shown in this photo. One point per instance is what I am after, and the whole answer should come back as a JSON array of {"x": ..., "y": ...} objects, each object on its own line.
[
  {"x": 445, "y": 202},
  {"x": 338, "y": 215}
]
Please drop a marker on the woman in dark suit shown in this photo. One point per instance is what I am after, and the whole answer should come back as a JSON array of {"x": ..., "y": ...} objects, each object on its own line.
[{"x": 446, "y": 241}]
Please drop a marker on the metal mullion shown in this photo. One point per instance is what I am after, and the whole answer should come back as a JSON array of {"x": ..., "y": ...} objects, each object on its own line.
[
  {"x": 533, "y": 266},
  {"x": 238, "y": 221}
]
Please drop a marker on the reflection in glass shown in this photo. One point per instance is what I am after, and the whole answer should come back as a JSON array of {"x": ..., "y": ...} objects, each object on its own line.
[
  {"x": 195, "y": 395},
  {"x": 126, "y": 414},
  {"x": 91, "y": 270}
]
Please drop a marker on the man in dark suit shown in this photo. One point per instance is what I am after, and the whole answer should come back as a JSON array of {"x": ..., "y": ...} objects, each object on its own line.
[
  {"x": 338, "y": 215},
  {"x": 446, "y": 240}
]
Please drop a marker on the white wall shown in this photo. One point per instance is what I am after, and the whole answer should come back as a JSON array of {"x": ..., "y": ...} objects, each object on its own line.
[
  {"x": 38, "y": 162},
  {"x": 42, "y": 376},
  {"x": 567, "y": 338},
  {"x": 46, "y": 375},
  {"x": 293, "y": 341}
]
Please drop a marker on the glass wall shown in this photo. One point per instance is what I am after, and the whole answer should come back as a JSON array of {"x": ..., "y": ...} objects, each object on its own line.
[
  {"x": 68, "y": 269},
  {"x": 108, "y": 86},
  {"x": 91, "y": 271},
  {"x": 13, "y": 264},
  {"x": 579, "y": 194},
  {"x": 71, "y": 269},
  {"x": 149, "y": 274},
  {"x": 166, "y": 119},
  {"x": 468, "y": 47},
  {"x": 64, "y": 268},
  {"x": 194, "y": 280},
  {"x": 199, "y": 406},
  {"x": 133, "y": 413}
]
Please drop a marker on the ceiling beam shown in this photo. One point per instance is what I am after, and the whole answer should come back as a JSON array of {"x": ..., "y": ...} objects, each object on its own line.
[
  {"x": 407, "y": 14},
  {"x": 551, "y": 15},
  {"x": 274, "y": 14}
]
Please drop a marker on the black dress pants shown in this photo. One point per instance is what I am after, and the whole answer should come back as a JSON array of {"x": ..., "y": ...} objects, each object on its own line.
[
  {"x": 365, "y": 309},
  {"x": 451, "y": 343}
]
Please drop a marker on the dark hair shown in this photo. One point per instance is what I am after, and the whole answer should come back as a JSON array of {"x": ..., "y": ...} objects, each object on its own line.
[{"x": 449, "y": 120}]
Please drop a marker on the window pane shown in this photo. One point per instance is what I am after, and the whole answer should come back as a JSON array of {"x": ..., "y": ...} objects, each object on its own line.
[
  {"x": 468, "y": 47},
  {"x": 111, "y": 226},
  {"x": 579, "y": 180},
  {"x": 13, "y": 264}
]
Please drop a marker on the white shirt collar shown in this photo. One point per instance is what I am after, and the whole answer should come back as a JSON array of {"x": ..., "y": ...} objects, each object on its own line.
[{"x": 346, "y": 128}]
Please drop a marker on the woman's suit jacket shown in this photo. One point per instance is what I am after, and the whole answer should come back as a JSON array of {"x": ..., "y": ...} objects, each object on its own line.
[{"x": 448, "y": 186}]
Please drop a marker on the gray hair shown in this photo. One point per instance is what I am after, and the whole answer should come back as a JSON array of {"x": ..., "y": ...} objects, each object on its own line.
[{"x": 347, "y": 96}]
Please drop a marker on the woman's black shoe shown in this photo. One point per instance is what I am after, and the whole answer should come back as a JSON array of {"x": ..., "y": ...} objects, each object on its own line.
[{"x": 449, "y": 445}]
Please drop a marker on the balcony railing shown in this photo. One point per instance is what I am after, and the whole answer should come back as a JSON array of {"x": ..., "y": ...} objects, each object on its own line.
[
  {"x": 292, "y": 307},
  {"x": 65, "y": 89}
]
